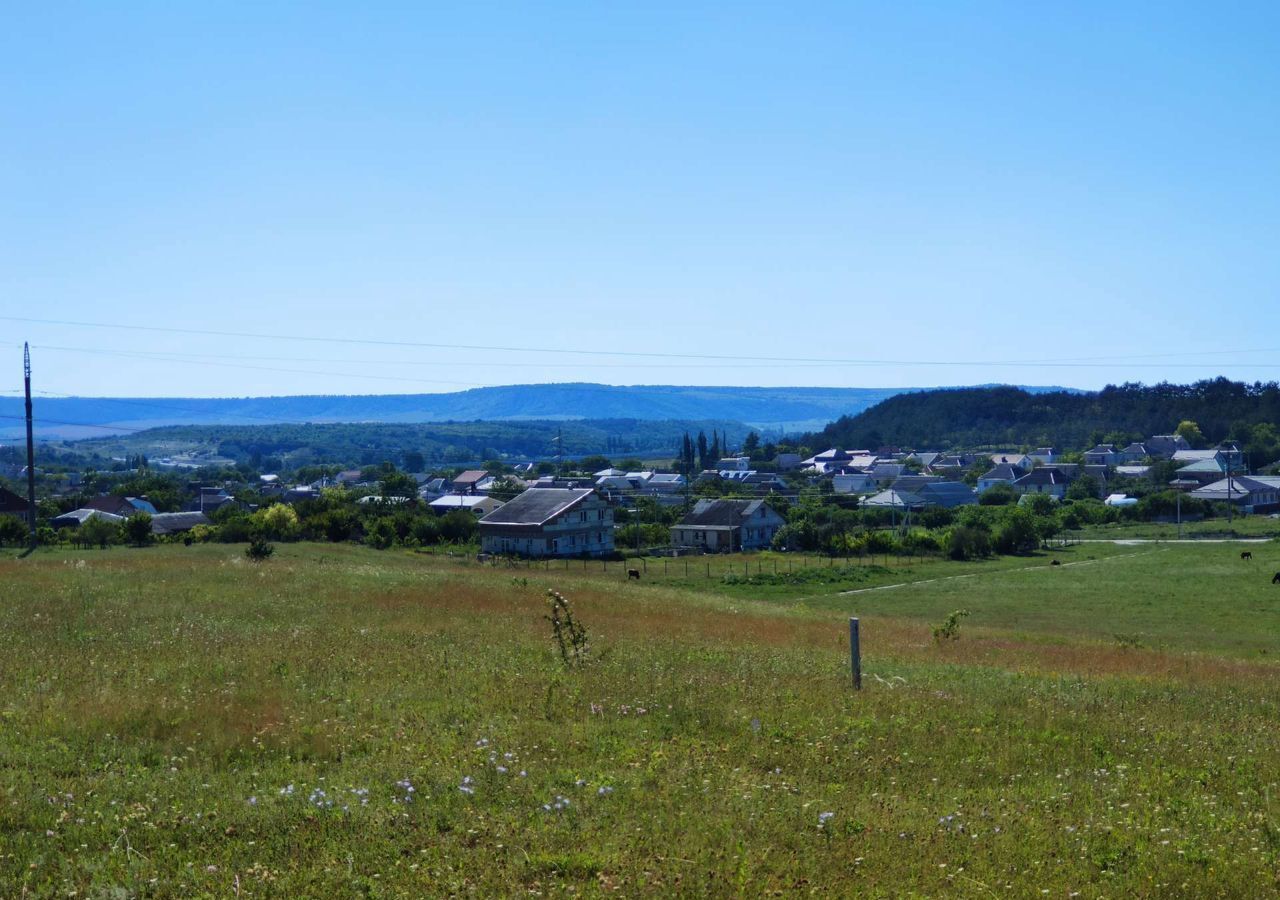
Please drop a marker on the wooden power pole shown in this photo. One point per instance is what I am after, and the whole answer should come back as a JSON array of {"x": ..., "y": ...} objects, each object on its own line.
[{"x": 31, "y": 448}]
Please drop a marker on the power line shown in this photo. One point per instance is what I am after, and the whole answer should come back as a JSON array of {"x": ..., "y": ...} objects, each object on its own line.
[{"x": 1069, "y": 362}]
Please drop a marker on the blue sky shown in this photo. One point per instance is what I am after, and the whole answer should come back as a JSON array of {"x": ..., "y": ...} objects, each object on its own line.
[{"x": 905, "y": 196}]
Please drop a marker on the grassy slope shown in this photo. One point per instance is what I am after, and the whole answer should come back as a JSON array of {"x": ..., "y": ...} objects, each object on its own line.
[{"x": 149, "y": 694}]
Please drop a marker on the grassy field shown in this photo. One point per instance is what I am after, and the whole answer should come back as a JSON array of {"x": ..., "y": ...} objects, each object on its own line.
[
  {"x": 180, "y": 722},
  {"x": 1256, "y": 526}
]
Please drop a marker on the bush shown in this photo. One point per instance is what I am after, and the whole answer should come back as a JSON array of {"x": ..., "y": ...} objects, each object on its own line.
[
  {"x": 137, "y": 528},
  {"x": 998, "y": 495},
  {"x": 97, "y": 531},
  {"x": 968, "y": 542},
  {"x": 380, "y": 535},
  {"x": 1019, "y": 533},
  {"x": 277, "y": 522},
  {"x": 949, "y": 630},
  {"x": 458, "y": 526},
  {"x": 13, "y": 531},
  {"x": 259, "y": 550}
]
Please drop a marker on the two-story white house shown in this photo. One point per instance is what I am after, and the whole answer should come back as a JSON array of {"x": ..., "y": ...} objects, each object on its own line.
[
  {"x": 727, "y": 526},
  {"x": 550, "y": 522}
]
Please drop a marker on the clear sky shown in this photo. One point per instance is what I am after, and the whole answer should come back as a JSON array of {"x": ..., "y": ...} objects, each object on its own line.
[{"x": 916, "y": 194}]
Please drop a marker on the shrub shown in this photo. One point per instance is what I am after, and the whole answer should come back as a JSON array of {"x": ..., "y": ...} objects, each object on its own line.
[
  {"x": 968, "y": 542},
  {"x": 380, "y": 535},
  {"x": 137, "y": 529},
  {"x": 97, "y": 531},
  {"x": 949, "y": 630},
  {"x": 13, "y": 531},
  {"x": 259, "y": 550}
]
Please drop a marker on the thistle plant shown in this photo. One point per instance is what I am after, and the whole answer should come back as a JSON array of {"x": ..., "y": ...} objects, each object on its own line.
[{"x": 569, "y": 634}]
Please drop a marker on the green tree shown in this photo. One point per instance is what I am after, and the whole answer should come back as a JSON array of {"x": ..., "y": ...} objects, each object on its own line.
[
  {"x": 398, "y": 484},
  {"x": 1086, "y": 487},
  {"x": 13, "y": 531},
  {"x": 505, "y": 489},
  {"x": 137, "y": 528},
  {"x": 96, "y": 531},
  {"x": 1191, "y": 431},
  {"x": 277, "y": 522},
  {"x": 1000, "y": 494},
  {"x": 414, "y": 461}
]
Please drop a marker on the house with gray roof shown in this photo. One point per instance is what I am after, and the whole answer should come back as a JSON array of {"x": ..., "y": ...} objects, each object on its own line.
[
  {"x": 1163, "y": 446},
  {"x": 550, "y": 521},
  {"x": 1252, "y": 493},
  {"x": 177, "y": 522},
  {"x": 921, "y": 492},
  {"x": 1044, "y": 480},
  {"x": 1004, "y": 473},
  {"x": 725, "y": 526}
]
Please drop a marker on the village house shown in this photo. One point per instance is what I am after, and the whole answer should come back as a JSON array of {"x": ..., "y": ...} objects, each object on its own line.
[
  {"x": 1004, "y": 473},
  {"x": 476, "y": 504},
  {"x": 854, "y": 483},
  {"x": 1164, "y": 446},
  {"x": 727, "y": 526},
  {"x": 177, "y": 522},
  {"x": 550, "y": 522},
  {"x": 466, "y": 482},
  {"x": 1017, "y": 460},
  {"x": 1252, "y": 493},
  {"x": 78, "y": 517},
  {"x": 916, "y": 492},
  {"x": 120, "y": 506},
  {"x": 11, "y": 503},
  {"x": 1201, "y": 472},
  {"x": 1133, "y": 454},
  {"x": 1043, "y": 456},
  {"x": 1043, "y": 480},
  {"x": 1101, "y": 455}
]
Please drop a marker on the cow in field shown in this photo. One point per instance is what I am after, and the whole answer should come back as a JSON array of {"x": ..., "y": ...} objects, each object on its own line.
[
  {"x": 1276, "y": 578},
  {"x": 633, "y": 573},
  {"x": 1246, "y": 554}
]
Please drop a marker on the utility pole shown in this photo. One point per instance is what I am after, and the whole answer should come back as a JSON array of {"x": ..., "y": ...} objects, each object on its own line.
[{"x": 31, "y": 447}]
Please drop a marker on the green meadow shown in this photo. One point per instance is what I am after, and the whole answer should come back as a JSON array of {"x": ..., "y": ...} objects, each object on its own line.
[{"x": 342, "y": 722}]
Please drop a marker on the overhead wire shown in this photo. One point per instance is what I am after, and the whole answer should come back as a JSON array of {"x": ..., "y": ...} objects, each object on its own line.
[{"x": 1092, "y": 361}]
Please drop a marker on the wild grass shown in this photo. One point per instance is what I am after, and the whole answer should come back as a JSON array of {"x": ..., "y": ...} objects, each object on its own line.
[{"x": 335, "y": 721}]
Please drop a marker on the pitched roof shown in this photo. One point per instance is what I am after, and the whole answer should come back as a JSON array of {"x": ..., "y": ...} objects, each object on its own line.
[
  {"x": 169, "y": 523},
  {"x": 537, "y": 507},
  {"x": 1240, "y": 487},
  {"x": 1002, "y": 472},
  {"x": 720, "y": 513},
  {"x": 11, "y": 502},
  {"x": 1044, "y": 475},
  {"x": 458, "y": 501},
  {"x": 471, "y": 476},
  {"x": 80, "y": 516}
]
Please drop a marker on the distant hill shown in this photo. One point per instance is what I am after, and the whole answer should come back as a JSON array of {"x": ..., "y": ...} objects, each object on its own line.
[
  {"x": 781, "y": 409},
  {"x": 1012, "y": 417},
  {"x": 289, "y": 445}
]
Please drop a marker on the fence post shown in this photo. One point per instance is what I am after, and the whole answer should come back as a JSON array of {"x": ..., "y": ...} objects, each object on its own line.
[{"x": 855, "y": 655}]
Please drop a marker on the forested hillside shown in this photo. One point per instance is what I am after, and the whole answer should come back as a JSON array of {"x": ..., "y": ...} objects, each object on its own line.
[
  {"x": 1008, "y": 416},
  {"x": 367, "y": 443}
]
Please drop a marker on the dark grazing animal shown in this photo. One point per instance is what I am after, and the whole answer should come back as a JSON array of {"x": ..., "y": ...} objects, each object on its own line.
[
  {"x": 633, "y": 573},
  {"x": 1246, "y": 554},
  {"x": 1055, "y": 563},
  {"x": 1276, "y": 578}
]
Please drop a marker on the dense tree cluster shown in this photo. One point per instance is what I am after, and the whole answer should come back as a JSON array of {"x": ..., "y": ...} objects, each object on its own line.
[{"x": 1010, "y": 417}]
